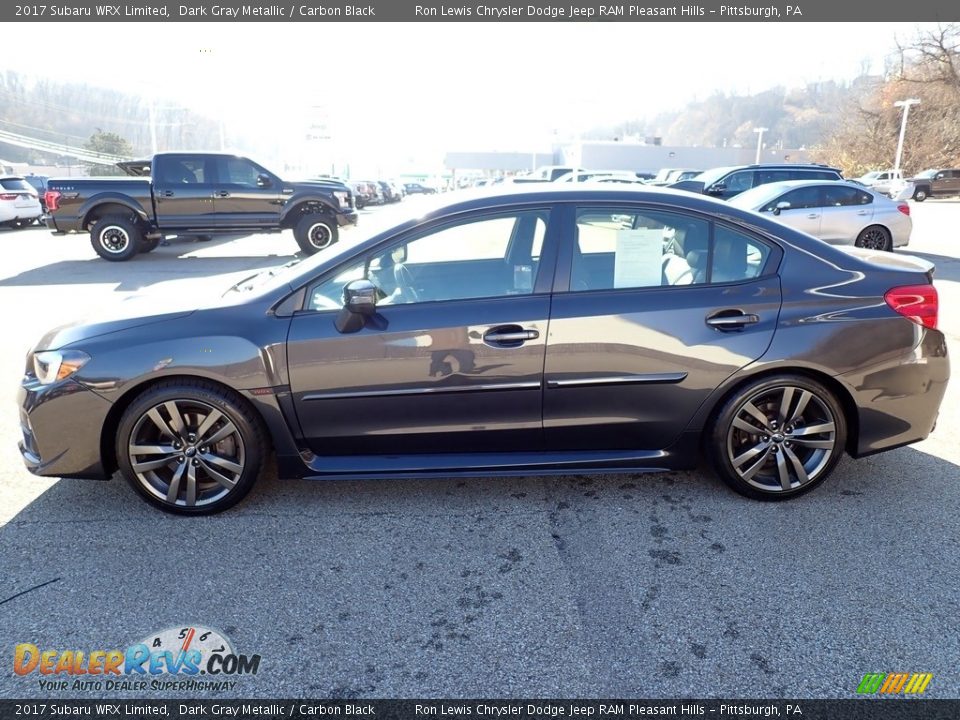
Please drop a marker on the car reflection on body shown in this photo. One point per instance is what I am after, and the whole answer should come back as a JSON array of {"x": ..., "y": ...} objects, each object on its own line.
[
  {"x": 540, "y": 330},
  {"x": 842, "y": 213}
]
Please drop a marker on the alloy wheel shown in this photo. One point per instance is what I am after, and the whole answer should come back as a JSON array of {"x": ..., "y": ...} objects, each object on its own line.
[
  {"x": 781, "y": 439},
  {"x": 319, "y": 235},
  {"x": 114, "y": 239},
  {"x": 186, "y": 453},
  {"x": 873, "y": 239}
]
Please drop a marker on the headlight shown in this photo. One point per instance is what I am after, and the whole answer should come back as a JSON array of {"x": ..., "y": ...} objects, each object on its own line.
[
  {"x": 343, "y": 198},
  {"x": 52, "y": 365}
]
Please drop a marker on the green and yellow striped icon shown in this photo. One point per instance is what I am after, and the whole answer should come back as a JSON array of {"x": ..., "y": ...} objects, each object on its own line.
[{"x": 894, "y": 683}]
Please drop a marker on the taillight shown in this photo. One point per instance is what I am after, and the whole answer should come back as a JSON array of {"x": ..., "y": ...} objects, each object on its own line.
[
  {"x": 51, "y": 198},
  {"x": 8, "y": 196},
  {"x": 918, "y": 303},
  {"x": 904, "y": 208}
]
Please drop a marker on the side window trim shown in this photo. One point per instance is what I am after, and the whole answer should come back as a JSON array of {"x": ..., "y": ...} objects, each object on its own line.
[
  {"x": 543, "y": 281},
  {"x": 567, "y": 214}
]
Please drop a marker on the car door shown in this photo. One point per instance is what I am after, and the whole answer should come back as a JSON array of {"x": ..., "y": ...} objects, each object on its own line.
[
  {"x": 183, "y": 190},
  {"x": 653, "y": 310},
  {"x": 453, "y": 359},
  {"x": 246, "y": 195},
  {"x": 846, "y": 211},
  {"x": 800, "y": 208},
  {"x": 952, "y": 186}
]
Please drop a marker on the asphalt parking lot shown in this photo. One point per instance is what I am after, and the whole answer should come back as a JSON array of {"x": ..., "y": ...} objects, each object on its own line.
[{"x": 616, "y": 586}]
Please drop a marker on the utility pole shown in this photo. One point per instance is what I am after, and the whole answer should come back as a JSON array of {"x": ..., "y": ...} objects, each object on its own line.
[{"x": 905, "y": 104}]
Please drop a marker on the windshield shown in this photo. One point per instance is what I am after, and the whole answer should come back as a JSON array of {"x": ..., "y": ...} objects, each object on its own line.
[
  {"x": 870, "y": 175},
  {"x": 711, "y": 176},
  {"x": 927, "y": 174}
]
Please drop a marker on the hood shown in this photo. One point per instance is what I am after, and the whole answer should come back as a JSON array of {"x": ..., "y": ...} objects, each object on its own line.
[
  {"x": 131, "y": 312},
  {"x": 694, "y": 186},
  {"x": 320, "y": 183}
]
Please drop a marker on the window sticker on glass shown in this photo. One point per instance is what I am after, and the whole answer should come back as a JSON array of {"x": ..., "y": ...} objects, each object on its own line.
[{"x": 639, "y": 258}]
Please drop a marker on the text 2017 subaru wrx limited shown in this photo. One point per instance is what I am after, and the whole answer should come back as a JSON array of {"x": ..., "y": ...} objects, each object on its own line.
[{"x": 537, "y": 331}]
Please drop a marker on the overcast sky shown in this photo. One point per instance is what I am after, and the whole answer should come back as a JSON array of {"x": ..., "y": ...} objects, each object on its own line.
[{"x": 446, "y": 86}]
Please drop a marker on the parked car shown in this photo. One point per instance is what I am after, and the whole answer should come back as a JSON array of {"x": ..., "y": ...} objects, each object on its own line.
[
  {"x": 201, "y": 194},
  {"x": 376, "y": 192},
  {"x": 585, "y": 175},
  {"x": 936, "y": 183},
  {"x": 390, "y": 193},
  {"x": 19, "y": 204},
  {"x": 673, "y": 175},
  {"x": 677, "y": 324},
  {"x": 413, "y": 188},
  {"x": 363, "y": 194},
  {"x": 39, "y": 183},
  {"x": 726, "y": 182},
  {"x": 841, "y": 213}
]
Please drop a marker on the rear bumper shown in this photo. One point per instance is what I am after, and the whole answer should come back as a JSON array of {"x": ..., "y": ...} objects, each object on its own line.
[
  {"x": 60, "y": 426},
  {"x": 899, "y": 399}
]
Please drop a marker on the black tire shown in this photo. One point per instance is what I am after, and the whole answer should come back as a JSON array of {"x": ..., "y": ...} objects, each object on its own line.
[
  {"x": 116, "y": 238},
  {"x": 149, "y": 244},
  {"x": 782, "y": 458},
  {"x": 875, "y": 237},
  {"x": 315, "y": 232},
  {"x": 237, "y": 456},
  {"x": 920, "y": 194}
]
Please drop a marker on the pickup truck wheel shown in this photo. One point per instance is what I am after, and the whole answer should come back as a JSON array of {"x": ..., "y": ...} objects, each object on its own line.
[
  {"x": 920, "y": 194},
  {"x": 315, "y": 232},
  {"x": 116, "y": 238}
]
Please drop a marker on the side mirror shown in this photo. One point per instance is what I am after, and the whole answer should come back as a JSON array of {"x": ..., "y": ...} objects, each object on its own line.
[
  {"x": 717, "y": 188},
  {"x": 780, "y": 207},
  {"x": 264, "y": 180},
  {"x": 359, "y": 303},
  {"x": 360, "y": 296}
]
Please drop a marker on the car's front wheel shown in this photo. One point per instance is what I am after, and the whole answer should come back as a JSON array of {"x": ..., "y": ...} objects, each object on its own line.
[
  {"x": 778, "y": 437},
  {"x": 315, "y": 232},
  {"x": 920, "y": 194},
  {"x": 190, "y": 447}
]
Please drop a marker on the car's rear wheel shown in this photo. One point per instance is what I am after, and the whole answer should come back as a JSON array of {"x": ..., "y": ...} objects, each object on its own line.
[
  {"x": 778, "y": 437},
  {"x": 875, "y": 237},
  {"x": 116, "y": 238},
  {"x": 315, "y": 232},
  {"x": 190, "y": 447}
]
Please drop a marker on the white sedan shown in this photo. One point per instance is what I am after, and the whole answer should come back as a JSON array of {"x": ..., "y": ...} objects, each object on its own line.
[
  {"x": 839, "y": 212},
  {"x": 19, "y": 204}
]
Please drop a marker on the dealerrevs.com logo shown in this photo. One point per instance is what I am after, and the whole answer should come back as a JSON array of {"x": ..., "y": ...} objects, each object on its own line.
[{"x": 178, "y": 658}]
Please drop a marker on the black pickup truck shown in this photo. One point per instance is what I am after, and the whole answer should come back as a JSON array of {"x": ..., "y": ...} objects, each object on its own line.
[{"x": 195, "y": 194}]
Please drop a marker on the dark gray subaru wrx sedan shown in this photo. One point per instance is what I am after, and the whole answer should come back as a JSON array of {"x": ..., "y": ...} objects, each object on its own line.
[{"x": 586, "y": 329}]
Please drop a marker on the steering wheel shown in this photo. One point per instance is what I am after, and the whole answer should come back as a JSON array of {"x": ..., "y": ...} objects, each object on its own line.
[{"x": 404, "y": 280}]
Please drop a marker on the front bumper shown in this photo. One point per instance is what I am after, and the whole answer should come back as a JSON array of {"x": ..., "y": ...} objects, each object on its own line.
[
  {"x": 347, "y": 217},
  {"x": 61, "y": 426}
]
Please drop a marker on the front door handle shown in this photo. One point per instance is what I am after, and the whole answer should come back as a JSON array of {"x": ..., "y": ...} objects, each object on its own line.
[
  {"x": 167, "y": 193},
  {"x": 813, "y": 216},
  {"x": 731, "y": 320},
  {"x": 509, "y": 336},
  {"x": 221, "y": 194}
]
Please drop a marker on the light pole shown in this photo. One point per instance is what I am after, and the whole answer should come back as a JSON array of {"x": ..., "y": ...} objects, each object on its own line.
[
  {"x": 905, "y": 104},
  {"x": 760, "y": 131}
]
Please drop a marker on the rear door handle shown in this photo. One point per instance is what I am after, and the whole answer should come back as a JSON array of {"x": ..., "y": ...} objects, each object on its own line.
[
  {"x": 862, "y": 212},
  {"x": 221, "y": 194},
  {"x": 813, "y": 216},
  {"x": 731, "y": 320},
  {"x": 167, "y": 193},
  {"x": 509, "y": 335}
]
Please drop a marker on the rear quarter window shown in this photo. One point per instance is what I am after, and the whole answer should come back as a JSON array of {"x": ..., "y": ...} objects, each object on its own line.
[{"x": 15, "y": 184}]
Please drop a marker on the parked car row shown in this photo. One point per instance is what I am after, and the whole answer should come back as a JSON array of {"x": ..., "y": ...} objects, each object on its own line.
[{"x": 376, "y": 192}]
